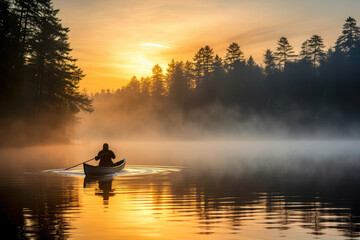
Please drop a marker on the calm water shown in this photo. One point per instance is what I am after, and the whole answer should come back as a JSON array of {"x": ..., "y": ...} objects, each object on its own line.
[{"x": 185, "y": 190}]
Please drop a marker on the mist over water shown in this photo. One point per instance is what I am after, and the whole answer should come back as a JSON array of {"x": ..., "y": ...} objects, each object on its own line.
[
  {"x": 188, "y": 181},
  {"x": 197, "y": 189}
]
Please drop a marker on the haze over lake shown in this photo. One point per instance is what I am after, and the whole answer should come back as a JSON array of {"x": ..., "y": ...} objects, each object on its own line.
[{"x": 198, "y": 189}]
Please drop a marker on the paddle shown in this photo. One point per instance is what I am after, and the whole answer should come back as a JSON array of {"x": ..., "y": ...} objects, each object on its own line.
[{"x": 84, "y": 162}]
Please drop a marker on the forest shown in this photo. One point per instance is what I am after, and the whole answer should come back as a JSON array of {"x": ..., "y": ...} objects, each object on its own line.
[
  {"x": 316, "y": 89},
  {"x": 39, "y": 94}
]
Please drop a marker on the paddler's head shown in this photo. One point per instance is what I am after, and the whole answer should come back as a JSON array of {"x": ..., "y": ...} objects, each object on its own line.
[{"x": 106, "y": 146}]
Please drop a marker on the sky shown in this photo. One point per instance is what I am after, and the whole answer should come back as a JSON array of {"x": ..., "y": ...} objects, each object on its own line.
[{"x": 114, "y": 40}]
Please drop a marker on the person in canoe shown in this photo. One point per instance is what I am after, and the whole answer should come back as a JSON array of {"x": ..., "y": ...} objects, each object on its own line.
[{"x": 105, "y": 156}]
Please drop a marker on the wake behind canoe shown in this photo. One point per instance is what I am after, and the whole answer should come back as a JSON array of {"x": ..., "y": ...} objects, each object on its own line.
[{"x": 91, "y": 170}]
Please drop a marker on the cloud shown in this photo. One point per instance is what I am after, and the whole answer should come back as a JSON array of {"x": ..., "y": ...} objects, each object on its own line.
[{"x": 154, "y": 45}]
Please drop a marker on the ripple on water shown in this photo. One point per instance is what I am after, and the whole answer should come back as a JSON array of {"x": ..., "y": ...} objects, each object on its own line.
[{"x": 131, "y": 170}]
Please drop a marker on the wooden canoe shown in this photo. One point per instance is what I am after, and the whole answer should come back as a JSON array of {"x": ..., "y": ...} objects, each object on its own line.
[{"x": 91, "y": 170}]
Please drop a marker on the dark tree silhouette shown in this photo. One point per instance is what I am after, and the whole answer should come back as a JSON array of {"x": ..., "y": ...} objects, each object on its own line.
[
  {"x": 134, "y": 87},
  {"x": 145, "y": 86},
  {"x": 179, "y": 85},
  {"x": 305, "y": 53},
  {"x": 270, "y": 61},
  {"x": 39, "y": 76},
  {"x": 316, "y": 50},
  {"x": 157, "y": 87},
  {"x": 233, "y": 55},
  {"x": 350, "y": 36},
  {"x": 203, "y": 62},
  {"x": 284, "y": 52}
]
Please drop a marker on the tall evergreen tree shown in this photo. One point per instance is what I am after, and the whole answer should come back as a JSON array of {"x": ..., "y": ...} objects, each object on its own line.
[
  {"x": 53, "y": 70},
  {"x": 189, "y": 74},
  {"x": 284, "y": 52},
  {"x": 316, "y": 47},
  {"x": 218, "y": 63},
  {"x": 170, "y": 71},
  {"x": 270, "y": 61},
  {"x": 38, "y": 74},
  {"x": 250, "y": 62},
  {"x": 233, "y": 55},
  {"x": 203, "y": 63},
  {"x": 145, "y": 86},
  {"x": 198, "y": 65},
  {"x": 28, "y": 11},
  {"x": 9, "y": 56},
  {"x": 305, "y": 52},
  {"x": 350, "y": 35},
  {"x": 133, "y": 87},
  {"x": 178, "y": 90},
  {"x": 157, "y": 87}
]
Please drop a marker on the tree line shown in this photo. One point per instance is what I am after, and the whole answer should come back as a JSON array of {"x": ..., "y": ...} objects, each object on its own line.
[
  {"x": 315, "y": 84},
  {"x": 39, "y": 77}
]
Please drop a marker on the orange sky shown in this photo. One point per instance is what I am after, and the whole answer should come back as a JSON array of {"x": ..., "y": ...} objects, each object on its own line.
[{"x": 116, "y": 39}]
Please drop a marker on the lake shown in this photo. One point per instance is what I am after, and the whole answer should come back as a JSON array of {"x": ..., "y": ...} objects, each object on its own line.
[{"x": 185, "y": 190}]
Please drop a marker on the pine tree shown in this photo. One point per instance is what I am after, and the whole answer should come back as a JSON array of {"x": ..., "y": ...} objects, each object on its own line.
[
  {"x": 28, "y": 12},
  {"x": 54, "y": 72},
  {"x": 305, "y": 51},
  {"x": 316, "y": 47},
  {"x": 198, "y": 65},
  {"x": 350, "y": 35},
  {"x": 250, "y": 62},
  {"x": 284, "y": 52},
  {"x": 145, "y": 86},
  {"x": 178, "y": 90},
  {"x": 270, "y": 61},
  {"x": 233, "y": 55},
  {"x": 9, "y": 56},
  {"x": 157, "y": 87},
  {"x": 170, "y": 71},
  {"x": 133, "y": 86},
  {"x": 203, "y": 64},
  {"x": 218, "y": 63},
  {"x": 208, "y": 60},
  {"x": 189, "y": 74}
]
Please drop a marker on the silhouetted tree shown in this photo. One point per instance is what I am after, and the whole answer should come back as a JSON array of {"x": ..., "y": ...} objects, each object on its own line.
[
  {"x": 284, "y": 51},
  {"x": 189, "y": 74},
  {"x": 157, "y": 87},
  {"x": 250, "y": 62},
  {"x": 145, "y": 86},
  {"x": 178, "y": 90},
  {"x": 170, "y": 71},
  {"x": 9, "y": 58},
  {"x": 233, "y": 56},
  {"x": 53, "y": 70},
  {"x": 203, "y": 62},
  {"x": 316, "y": 48},
  {"x": 350, "y": 35},
  {"x": 270, "y": 61},
  {"x": 305, "y": 53},
  {"x": 38, "y": 74},
  {"x": 133, "y": 87}
]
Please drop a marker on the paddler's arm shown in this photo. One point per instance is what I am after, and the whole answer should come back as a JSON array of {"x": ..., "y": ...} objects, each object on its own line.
[
  {"x": 112, "y": 155},
  {"x": 98, "y": 156}
]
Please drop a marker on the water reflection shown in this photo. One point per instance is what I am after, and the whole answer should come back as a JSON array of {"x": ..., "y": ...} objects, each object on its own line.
[
  {"x": 104, "y": 189},
  {"x": 264, "y": 200}
]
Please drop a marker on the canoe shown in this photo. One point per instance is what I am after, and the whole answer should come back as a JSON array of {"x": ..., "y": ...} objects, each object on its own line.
[{"x": 91, "y": 170}]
